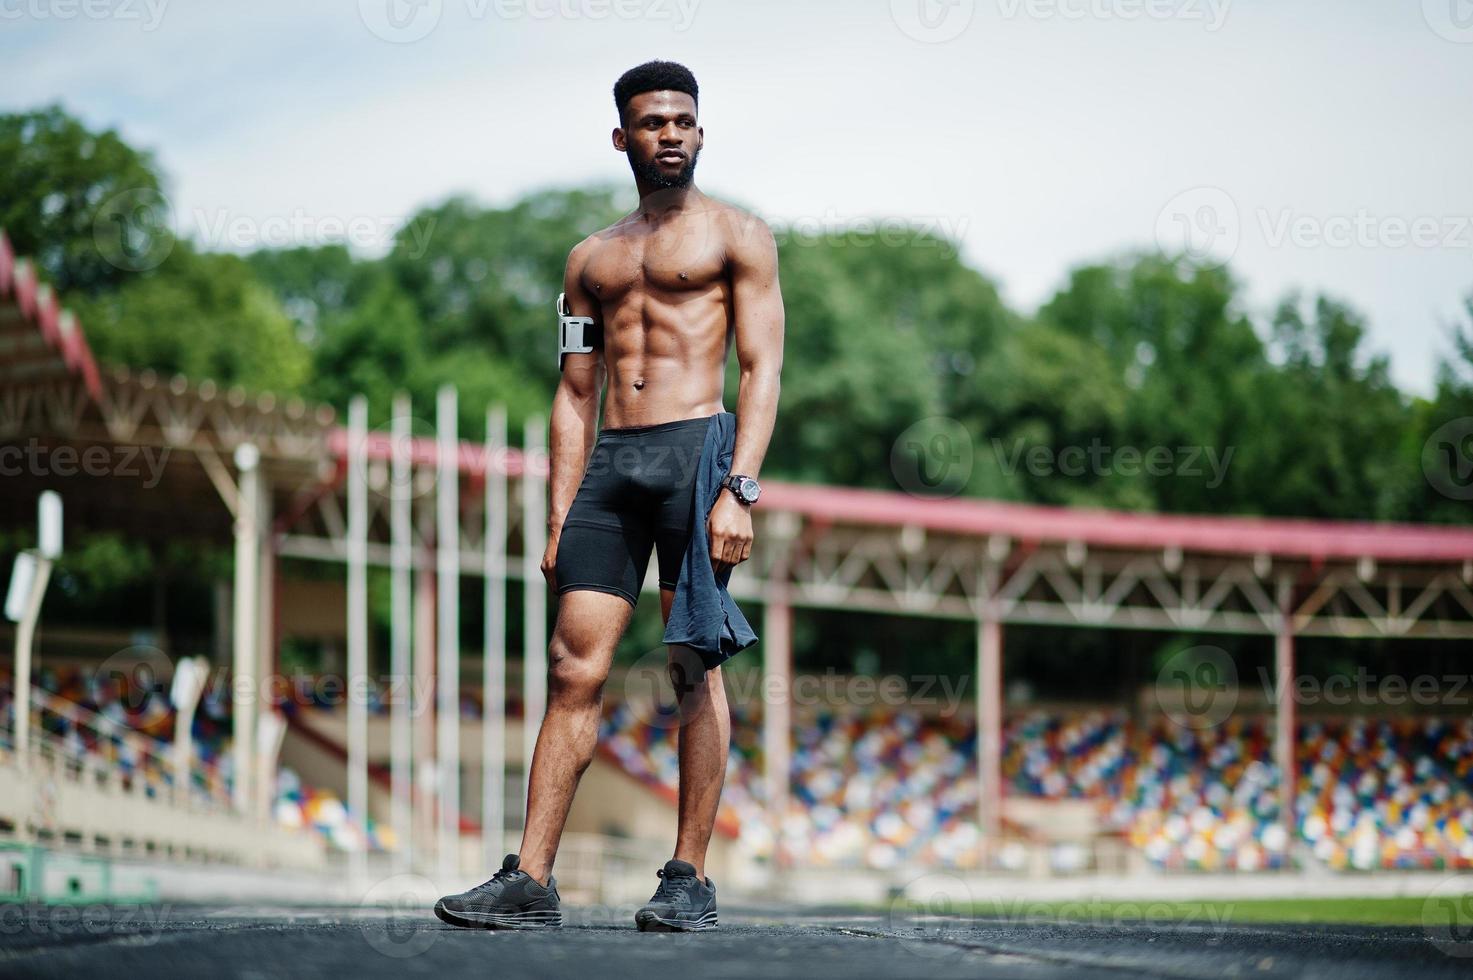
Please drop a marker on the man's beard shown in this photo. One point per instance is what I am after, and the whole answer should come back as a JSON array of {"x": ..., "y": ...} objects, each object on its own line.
[{"x": 651, "y": 173}]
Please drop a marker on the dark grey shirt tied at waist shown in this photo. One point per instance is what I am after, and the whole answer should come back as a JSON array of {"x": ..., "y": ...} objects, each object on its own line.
[{"x": 704, "y": 616}]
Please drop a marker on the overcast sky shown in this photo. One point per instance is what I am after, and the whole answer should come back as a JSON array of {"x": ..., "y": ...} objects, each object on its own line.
[{"x": 1324, "y": 145}]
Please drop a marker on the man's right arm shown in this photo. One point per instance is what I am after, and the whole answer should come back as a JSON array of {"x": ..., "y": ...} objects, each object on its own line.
[{"x": 574, "y": 412}]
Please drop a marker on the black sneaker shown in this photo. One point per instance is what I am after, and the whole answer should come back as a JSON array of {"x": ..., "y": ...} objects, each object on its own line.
[
  {"x": 512, "y": 899},
  {"x": 682, "y": 903}
]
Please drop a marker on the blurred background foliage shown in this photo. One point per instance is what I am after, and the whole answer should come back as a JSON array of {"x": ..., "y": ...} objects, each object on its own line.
[{"x": 1137, "y": 350}]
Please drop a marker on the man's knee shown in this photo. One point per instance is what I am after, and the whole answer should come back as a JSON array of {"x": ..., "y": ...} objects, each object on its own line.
[{"x": 573, "y": 673}]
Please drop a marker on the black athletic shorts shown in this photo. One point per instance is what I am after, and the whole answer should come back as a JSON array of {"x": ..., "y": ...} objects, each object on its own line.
[{"x": 636, "y": 496}]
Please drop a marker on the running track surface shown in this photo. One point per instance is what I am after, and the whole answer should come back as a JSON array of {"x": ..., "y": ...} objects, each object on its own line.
[{"x": 357, "y": 944}]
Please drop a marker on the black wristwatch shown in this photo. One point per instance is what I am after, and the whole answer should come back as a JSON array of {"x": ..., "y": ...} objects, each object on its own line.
[{"x": 747, "y": 490}]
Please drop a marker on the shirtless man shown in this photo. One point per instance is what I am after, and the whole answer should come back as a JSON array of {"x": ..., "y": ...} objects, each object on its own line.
[{"x": 671, "y": 286}]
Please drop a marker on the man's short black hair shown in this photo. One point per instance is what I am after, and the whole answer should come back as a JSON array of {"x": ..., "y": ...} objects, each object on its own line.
[{"x": 654, "y": 76}]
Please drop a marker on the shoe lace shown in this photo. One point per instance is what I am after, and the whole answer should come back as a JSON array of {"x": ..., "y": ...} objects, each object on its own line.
[
  {"x": 666, "y": 888},
  {"x": 500, "y": 875}
]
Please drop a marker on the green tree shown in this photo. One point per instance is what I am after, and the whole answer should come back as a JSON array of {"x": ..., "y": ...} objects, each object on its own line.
[
  {"x": 1333, "y": 445},
  {"x": 884, "y": 331},
  {"x": 1438, "y": 450},
  {"x": 203, "y": 315},
  {"x": 61, "y": 184}
]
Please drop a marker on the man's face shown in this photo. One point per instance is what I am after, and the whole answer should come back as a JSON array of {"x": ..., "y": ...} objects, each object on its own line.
[{"x": 661, "y": 139}]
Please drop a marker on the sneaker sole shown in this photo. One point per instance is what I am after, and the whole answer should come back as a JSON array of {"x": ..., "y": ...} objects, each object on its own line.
[
  {"x": 537, "y": 919},
  {"x": 652, "y": 922}
]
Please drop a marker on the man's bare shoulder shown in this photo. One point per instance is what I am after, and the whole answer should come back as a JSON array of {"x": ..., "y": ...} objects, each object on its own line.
[
  {"x": 746, "y": 236},
  {"x": 743, "y": 231},
  {"x": 590, "y": 244},
  {"x": 581, "y": 252}
]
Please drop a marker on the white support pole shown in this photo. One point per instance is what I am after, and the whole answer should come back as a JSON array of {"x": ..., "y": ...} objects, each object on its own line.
[
  {"x": 447, "y": 555},
  {"x": 1286, "y": 714},
  {"x": 989, "y": 731},
  {"x": 246, "y": 612},
  {"x": 265, "y": 785},
  {"x": 189, "y": 683},
  {"x": 270, "y": 731},
  {"x": 534, "y": 591},
  {"x": 25, "y": 634},
  {"x": 493, "y": 677},
  {"x": 425, "y": 780},
  {"x": 777, "y": 720},
  {"x": 357, "y": 626},
  {"x": 401, "y": 633}
]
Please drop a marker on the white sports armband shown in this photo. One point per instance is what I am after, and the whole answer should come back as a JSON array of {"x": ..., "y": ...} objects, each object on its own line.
[{"x": 575, "y": 334}]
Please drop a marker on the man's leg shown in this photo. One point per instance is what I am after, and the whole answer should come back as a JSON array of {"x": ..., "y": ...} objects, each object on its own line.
[
  {"x": 589, "y": 625},
  {"x": 705, "y": 738}
]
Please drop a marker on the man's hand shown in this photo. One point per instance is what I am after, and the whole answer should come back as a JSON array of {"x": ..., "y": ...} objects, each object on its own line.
[
  {"x": 730, "y": 531},
  {"x": 549, "y": 557}
]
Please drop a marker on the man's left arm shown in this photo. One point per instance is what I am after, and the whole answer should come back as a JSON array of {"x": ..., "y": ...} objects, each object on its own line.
[{"x": 758, "y": 309}]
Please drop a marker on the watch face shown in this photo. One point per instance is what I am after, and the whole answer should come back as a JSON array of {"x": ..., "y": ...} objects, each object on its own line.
[{"x": 749, "y": 490}]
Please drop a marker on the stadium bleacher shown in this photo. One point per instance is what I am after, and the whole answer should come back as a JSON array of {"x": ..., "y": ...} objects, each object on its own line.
[
  {"x": 87, "y": 713},
  {"x": 877, "y": 789},
  {"x": 887, "y": 788}
]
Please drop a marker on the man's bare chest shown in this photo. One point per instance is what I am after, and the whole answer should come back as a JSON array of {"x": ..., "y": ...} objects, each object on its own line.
[{"x": 670, "y": 259}]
